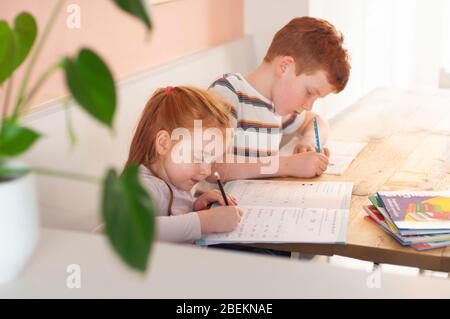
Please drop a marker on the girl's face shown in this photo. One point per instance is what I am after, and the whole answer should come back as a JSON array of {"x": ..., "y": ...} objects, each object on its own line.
[{"x": 187, "y": 164}]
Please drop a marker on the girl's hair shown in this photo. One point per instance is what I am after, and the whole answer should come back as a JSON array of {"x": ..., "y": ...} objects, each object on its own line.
[{"x": 171, "y": 108}]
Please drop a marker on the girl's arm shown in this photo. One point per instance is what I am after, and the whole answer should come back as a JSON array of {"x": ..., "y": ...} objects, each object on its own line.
[{"x": 178, "y": 228}]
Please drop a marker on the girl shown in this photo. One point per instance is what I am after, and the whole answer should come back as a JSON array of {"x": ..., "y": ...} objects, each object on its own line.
[{"x": 180, "y": 218}]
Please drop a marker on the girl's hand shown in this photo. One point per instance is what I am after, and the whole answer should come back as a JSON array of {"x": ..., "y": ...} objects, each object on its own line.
[
  {"x": 221, "y": 219},
  {"x": 203, "y": 201}
]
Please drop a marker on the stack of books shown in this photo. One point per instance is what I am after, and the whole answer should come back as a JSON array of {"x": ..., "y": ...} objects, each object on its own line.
[{"x": 420, "y": 219}]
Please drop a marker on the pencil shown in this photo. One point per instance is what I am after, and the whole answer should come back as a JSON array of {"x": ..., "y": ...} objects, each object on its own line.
[
  {"x": 316, "y": 131},
  {"x": 216, "y": 174}
]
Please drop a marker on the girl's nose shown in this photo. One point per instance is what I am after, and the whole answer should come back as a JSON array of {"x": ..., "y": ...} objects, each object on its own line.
[{"x": 205, "y": 169}]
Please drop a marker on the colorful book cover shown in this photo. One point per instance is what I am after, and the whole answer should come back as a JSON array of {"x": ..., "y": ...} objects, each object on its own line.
[
  {"x": 428, "y": 246},
  {"x": 404, "y": 240},
  {"x": 378, "y": 222},
  {"x": 379, "y": 206},
  {"x": 417, "y": 209},
  {"x": 416, "y": 246},
  {"x": 376, "y": 202}
]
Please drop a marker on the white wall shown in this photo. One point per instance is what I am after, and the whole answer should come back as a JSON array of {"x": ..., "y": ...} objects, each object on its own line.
[
  {"x": 429, "y": 45},
  {"x": 396, "y": 43},
  {"x": 74, "y": 205},
  {"x": 350, "y": 22},
  {"x": 263, "y": 18},
  {"x": 446, "y": 37}
]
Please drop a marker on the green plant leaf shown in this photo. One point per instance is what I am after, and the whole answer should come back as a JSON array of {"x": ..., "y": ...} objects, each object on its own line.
[
  {"x": 6, "y": 51},
  {"x": 137, "y": 9},
  {"x": 15, "y": 44},
  {"x": 25, "y": 30},
  {"x": 15, "y": 139},
  {"x": 128, "y": 212},
  {"x": 92, "y": 85}
]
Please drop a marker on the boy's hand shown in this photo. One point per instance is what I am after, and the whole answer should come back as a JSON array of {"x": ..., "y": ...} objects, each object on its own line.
[
  {"x": 307, "y": 164},
  {"x": 204, "y": 200},
  {"x": 309, "y": 145},
  {"x": 221, "y": 219},
  {"x": 301, "y": 148}
]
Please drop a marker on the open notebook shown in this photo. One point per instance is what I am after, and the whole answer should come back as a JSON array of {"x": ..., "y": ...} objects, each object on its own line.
[
  {"x": 342, "y": 154},
  {"x": 288, "y": 212}
]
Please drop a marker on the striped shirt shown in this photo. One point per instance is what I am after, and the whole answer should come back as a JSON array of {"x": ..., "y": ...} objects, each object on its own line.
[{"x": 259, "y": 128}]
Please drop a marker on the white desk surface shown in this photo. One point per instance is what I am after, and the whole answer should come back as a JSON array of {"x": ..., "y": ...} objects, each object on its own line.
[{"x": 191, "y": 272}]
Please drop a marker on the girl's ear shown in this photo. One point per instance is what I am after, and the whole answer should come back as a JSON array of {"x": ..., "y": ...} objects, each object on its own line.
[{"x": 163, "y": 142}]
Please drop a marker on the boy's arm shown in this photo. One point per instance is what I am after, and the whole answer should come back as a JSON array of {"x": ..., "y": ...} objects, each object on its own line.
[
  {"x": 306, "y": 130},
  {"x": 303, "y": 165},
  {"x": 273, "y": 167}
]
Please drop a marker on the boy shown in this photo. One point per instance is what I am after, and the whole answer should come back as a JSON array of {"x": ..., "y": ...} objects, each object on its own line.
[{"x": 305, "y": 61}]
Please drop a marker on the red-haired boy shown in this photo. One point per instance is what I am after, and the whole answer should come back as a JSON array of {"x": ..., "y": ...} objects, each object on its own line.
[{"x": 305, "y": 61}]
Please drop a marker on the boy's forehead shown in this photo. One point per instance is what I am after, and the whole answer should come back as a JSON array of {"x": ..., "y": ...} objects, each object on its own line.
[{"x": 318, "y": 82}]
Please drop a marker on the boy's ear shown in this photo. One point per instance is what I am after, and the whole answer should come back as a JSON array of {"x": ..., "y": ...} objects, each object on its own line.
[
  {"x": 285, "y": 63},
  {"x": 163, "y": 142}
]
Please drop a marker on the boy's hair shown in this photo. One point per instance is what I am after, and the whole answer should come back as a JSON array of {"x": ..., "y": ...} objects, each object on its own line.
[
  {"x": 173, "y": 108},
  {"x": 315, "y": 45}
]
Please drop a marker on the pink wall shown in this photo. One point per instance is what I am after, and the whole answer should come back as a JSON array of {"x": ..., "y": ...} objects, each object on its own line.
[{"x": 180, "y": 27}]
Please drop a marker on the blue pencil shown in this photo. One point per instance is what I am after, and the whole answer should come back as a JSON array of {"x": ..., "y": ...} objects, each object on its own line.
[{"x": 316, "y": 131}]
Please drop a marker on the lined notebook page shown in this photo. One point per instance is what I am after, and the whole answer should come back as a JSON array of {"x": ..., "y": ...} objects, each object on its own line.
[
  {"x": 342, "y": 154},
  {"x": 279, "y": 212}
]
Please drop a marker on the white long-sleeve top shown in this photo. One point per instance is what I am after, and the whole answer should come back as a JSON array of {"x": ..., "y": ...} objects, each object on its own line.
[{"x": 184, "y": 224}]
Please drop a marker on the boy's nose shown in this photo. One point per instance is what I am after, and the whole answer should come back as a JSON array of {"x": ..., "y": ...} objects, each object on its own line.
[{"x": 309, "y": 104}]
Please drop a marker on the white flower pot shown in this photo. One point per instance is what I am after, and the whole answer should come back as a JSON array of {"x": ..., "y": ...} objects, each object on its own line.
[{"x": 19, "y": 225}]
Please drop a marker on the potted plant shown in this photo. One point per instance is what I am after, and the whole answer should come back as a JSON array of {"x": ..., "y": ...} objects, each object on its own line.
[{"x": 127, "y": 209}]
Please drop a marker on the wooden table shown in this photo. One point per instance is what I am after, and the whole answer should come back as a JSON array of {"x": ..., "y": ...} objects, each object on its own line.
[{"x": 408, "y": 135}]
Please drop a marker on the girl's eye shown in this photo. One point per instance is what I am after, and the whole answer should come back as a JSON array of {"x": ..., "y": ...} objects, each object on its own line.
[
  {"x": 198, "y": 159},
  {"x": 207, "y": 160},
  {"x": 202, "y": 161}
]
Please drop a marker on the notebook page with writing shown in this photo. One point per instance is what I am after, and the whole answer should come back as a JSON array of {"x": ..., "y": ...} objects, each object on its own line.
[
  {"x": 342, "y": 154},
  {"x": 280, "y": 212}
]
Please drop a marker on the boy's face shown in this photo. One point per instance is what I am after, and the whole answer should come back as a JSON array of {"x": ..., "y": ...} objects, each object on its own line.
[{"x": 293, "y": 93}]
